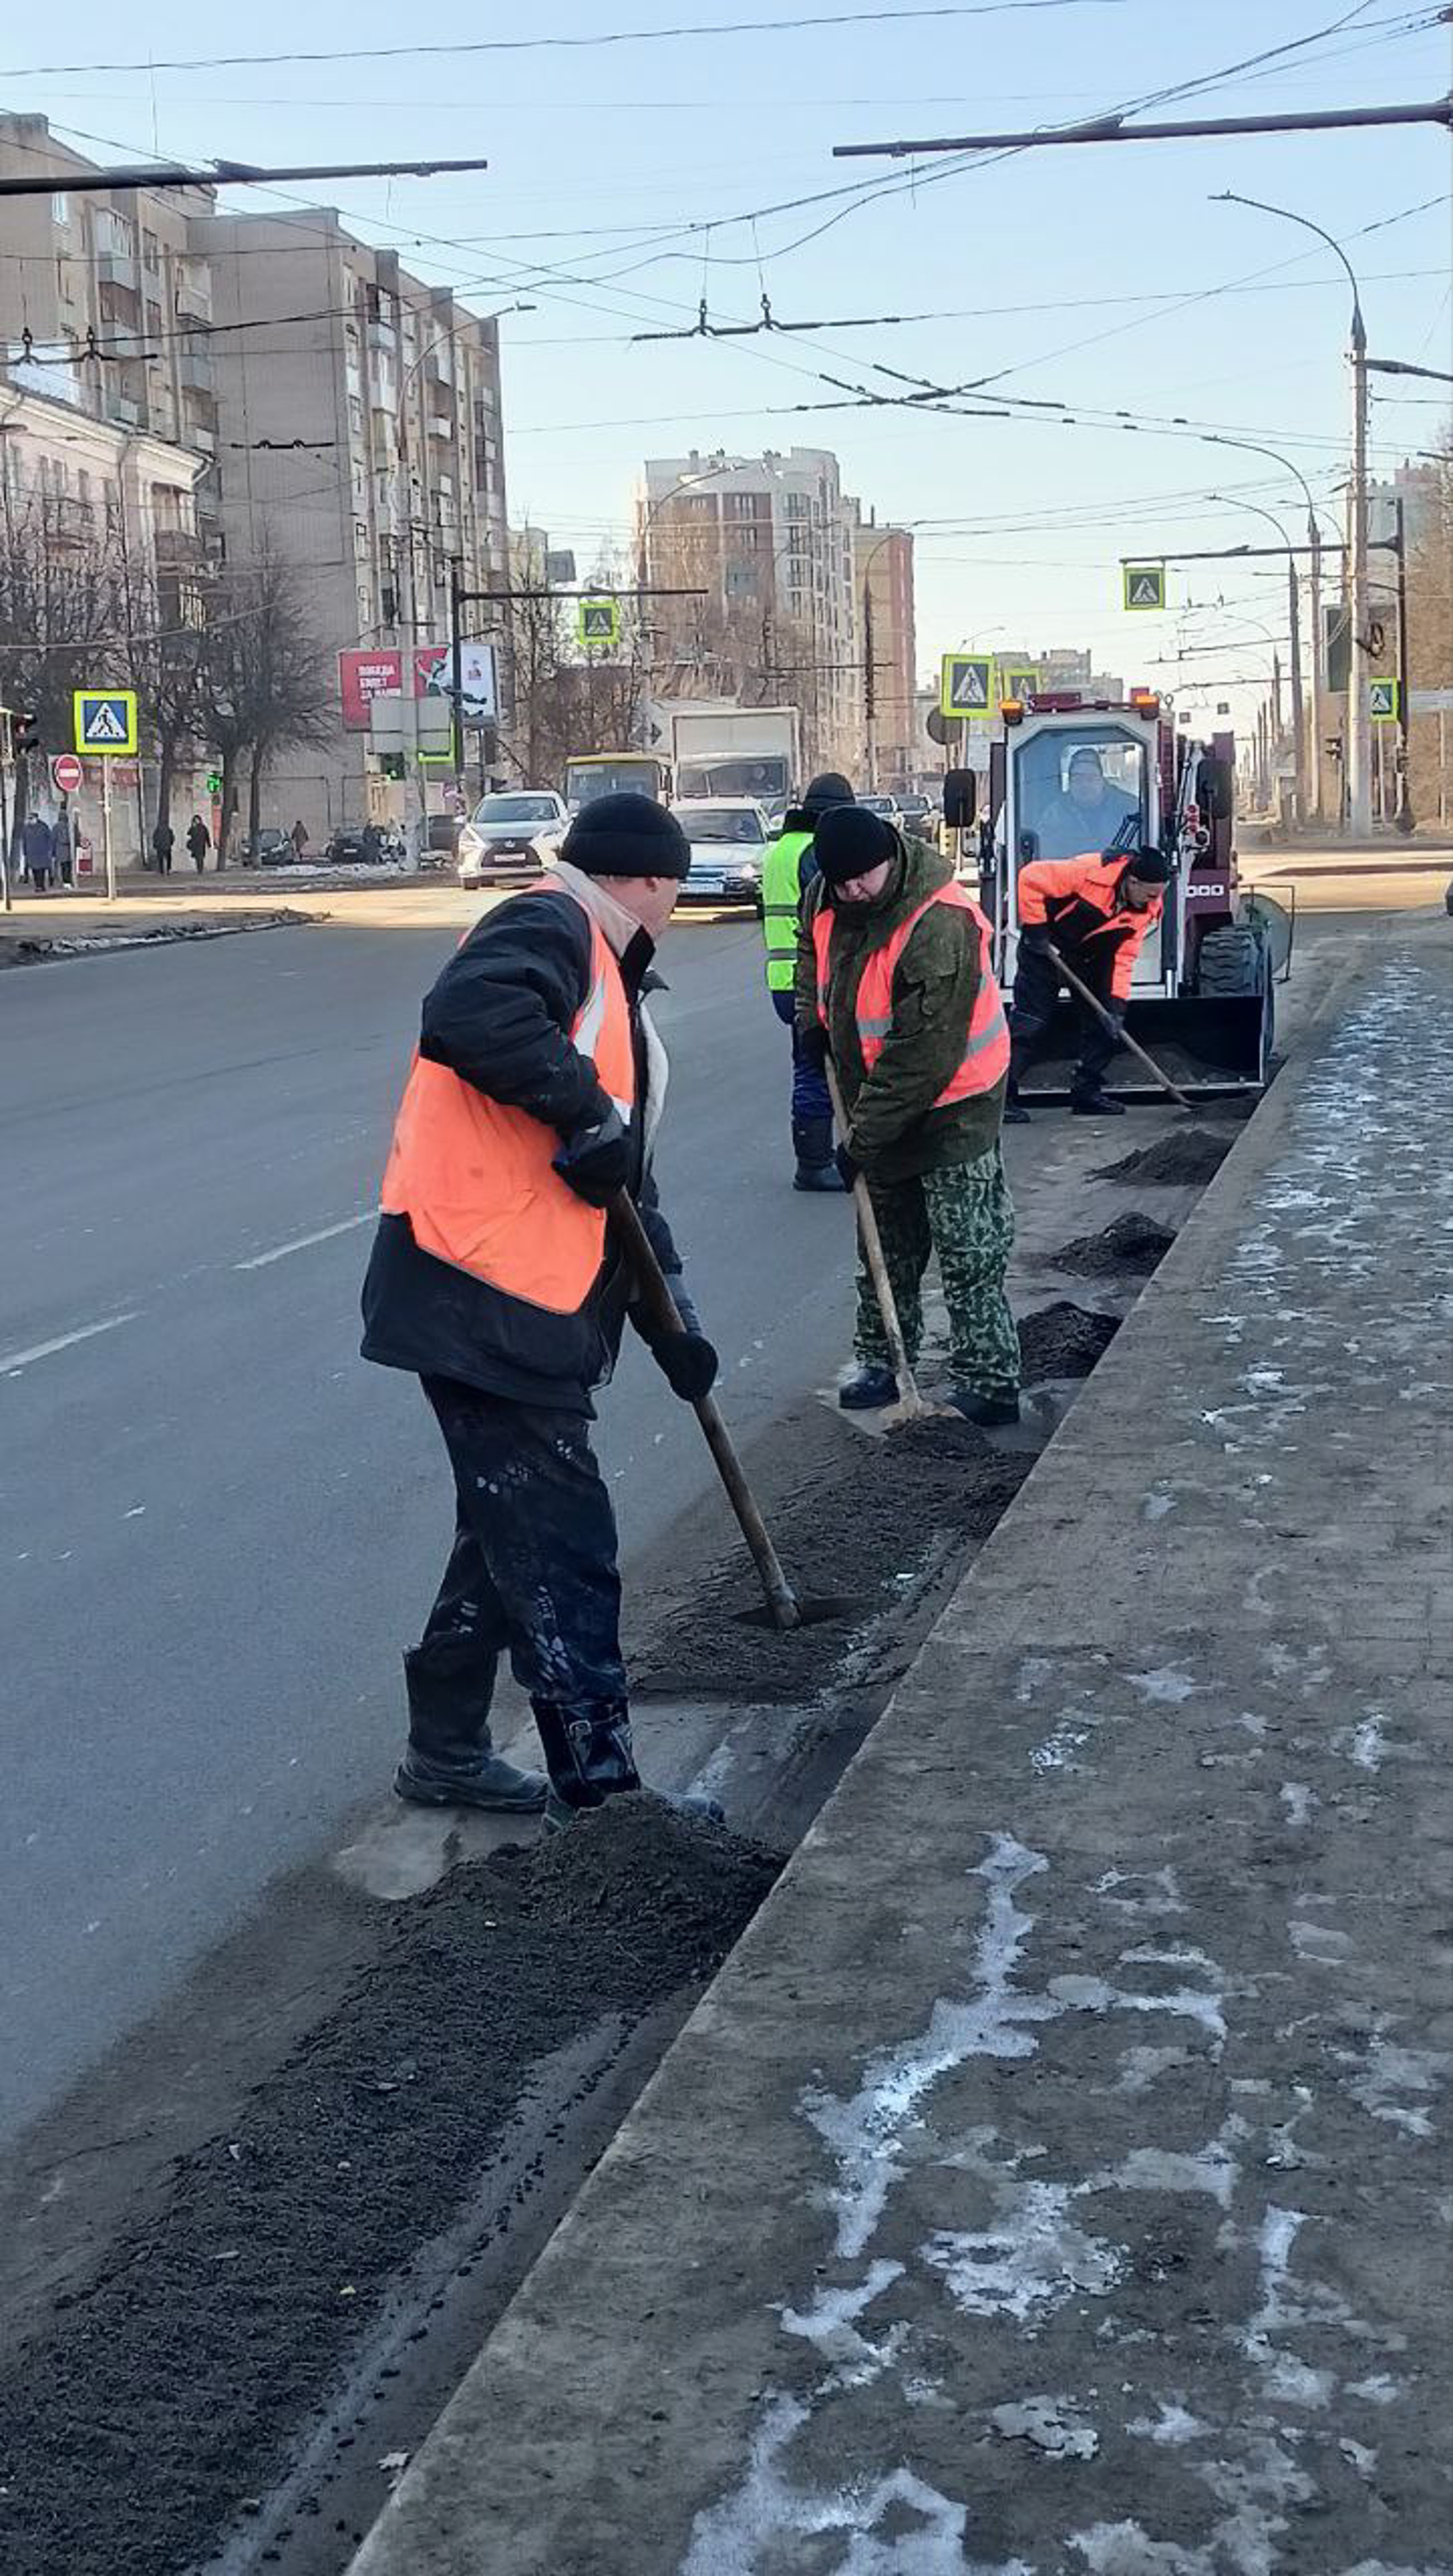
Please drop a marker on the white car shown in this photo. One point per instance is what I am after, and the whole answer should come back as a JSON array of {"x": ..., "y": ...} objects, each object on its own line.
[
  {"x": 515, "y": 832},
  {"x": 729, "y": 836}
]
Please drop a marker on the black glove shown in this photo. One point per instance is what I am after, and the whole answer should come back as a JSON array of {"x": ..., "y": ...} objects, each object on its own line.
[
  {"x": 595, "y": 1161},
  {"x": 687, "y": 1361},
  {"x": 1034, "y": 936},
  {"x": 849, "y": 1168},
  {"x": 812, "y": 1046}
]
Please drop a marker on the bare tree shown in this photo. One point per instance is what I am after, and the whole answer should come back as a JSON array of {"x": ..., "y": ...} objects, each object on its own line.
[
  {"x": 62, "y": 613},
  {"x": 1430, "y": 640},
  {"x": 264, "y": 684}
]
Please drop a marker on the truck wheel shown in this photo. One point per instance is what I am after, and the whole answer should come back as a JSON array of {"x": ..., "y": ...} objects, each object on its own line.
[{"x": 1237, "y": 960}]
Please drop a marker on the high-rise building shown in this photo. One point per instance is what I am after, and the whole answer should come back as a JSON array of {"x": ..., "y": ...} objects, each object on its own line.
[
  {"x": 363, "y": 441},
  {"x": 883, "y": 590},
  {"x": 766, "y": 541},
  {"x": 97, "y": 292}
]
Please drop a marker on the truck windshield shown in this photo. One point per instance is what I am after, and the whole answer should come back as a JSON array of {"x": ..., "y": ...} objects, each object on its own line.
[
  {"x": 1081, "y": 789},
  {"x": 763, "y": 777}
]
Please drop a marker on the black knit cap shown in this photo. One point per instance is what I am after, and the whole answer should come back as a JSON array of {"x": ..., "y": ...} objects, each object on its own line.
[
  {"x": 626, "y": 835},
  {"x": 849, "y": 841},
  {"x": 1149, "y": 865},
  {"x": 827, "y": 789}
]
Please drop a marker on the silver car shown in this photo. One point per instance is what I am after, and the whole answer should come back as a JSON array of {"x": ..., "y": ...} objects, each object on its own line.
[
  {"x": 729, "y": 838},
  {"x": 515, "y": 832}
]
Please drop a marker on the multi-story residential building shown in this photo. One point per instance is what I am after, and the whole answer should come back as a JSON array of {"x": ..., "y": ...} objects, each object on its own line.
[
  {"x": 766, "y": 540},
  {"x": 883, "y": 589},
  {"x": 363, "y": 442},
  {"x": 97, "y": 292}
]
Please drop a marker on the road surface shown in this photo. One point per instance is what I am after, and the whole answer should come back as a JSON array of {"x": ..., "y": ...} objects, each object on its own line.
[{"x": 220, "y": 1527}]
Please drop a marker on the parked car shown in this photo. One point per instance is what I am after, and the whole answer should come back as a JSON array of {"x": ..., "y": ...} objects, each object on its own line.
[
  {"x": 443, "y": 833},
  {"x": 515, "y": 832},
  {"x": 729, "y": 837},
  {"x": 273, "y": 848},
  {"x": 916, "y": 815},
  {"x": 887, "y": 806},
  {"x": 364, "y": 845}
]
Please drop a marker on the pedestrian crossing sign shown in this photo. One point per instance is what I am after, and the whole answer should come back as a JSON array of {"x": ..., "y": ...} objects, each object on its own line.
[
  {"x": 1143, "y": 585},
  {"x": 105, "y": 723},
  {"x": 600, "y": 624},
  {"x": 1020, "y": 681},
  {"x": 966, "y": 684},
  {"x": 1382, "y": 700}
]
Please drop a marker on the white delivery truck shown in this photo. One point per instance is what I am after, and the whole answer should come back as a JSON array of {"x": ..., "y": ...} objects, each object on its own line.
[{"x": 729, "y": 750}]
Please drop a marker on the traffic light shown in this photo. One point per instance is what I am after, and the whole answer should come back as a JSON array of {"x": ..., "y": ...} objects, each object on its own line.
[{"x": 24, "y": 733}]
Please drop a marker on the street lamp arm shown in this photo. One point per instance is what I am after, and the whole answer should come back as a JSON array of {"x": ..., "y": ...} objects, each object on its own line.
[{"x": 1231, "y": 197}]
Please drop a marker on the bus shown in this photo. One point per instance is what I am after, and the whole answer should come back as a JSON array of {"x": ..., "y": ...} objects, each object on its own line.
[{"x": 607, "y": 773}]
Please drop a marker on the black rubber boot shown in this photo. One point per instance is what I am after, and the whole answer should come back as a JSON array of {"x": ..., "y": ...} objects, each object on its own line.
[
  {"x": 816, "y": 1170},
  {"x": 1087, "y": 1100},
  {"x": 1015, "y": 1114},
  {"x": 986, "y": 1409},
  {"x": 871, "y": 1388},
  {"x": 590, "y": 1758},
  {"x": 451, "y": 1760}
]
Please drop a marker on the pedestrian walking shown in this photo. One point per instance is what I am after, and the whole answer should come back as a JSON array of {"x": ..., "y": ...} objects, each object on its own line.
[
  {"x": 534, "y": 1097},
  {"x": 1097, "y": 912},
  {"x": 163, "y": 842},
  {"x": 37, "y": 848},
  {"x": 299, "y": 837},
  {"x": 787, "y": 871},
  {"x": 63, "y": 848},
  {"x": 895, "y": 980},
  {"x": 199, "y": 842}
]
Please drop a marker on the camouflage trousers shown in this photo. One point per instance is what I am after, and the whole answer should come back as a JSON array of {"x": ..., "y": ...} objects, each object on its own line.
[{"x": 965, "y": 1217}]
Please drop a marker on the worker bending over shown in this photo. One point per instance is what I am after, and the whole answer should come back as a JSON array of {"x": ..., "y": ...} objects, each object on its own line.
[
  {"x": 896, "y": 981},
  {"x": 533, "y": 1098},
  {"x": 1097, "y": 912},
  {"x": 787, "y": 872}
]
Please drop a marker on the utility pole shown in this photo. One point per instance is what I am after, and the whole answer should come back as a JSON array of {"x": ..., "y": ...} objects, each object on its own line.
[
  {"x": 456, "y": 670},
  {"x": 1404, "y": 817},
  {"x": 870, "y": 689},
  {"x": 1299, "y": 713},
  {"x": 1359, "y": 668},
  {"x": 1314, "y": 747}
]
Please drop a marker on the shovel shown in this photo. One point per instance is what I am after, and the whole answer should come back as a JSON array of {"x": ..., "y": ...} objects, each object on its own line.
[
  {"x": 1123, "y": 1036},
  {"x": 914, "y": 1408},
  {"x": 661, "y": 1306}
]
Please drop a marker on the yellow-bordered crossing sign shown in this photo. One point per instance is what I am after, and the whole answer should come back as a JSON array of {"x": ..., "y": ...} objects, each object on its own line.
[
  {"x": 966, "y": 684},
  {"x": 599, "y": 624},
  {"x": 1143, "y": 585},
  {"x": 105, "y": 721}
]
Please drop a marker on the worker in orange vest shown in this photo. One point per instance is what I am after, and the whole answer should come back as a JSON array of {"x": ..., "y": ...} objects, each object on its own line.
[
  {"x": 1096, "y": 912},
  {"x": 533, "y": 1098},
  {"x": 896, "y": 981}
]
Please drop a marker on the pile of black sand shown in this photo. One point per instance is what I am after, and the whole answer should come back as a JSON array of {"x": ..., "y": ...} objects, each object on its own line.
[
  {"x": 1063, "y": 1340},
  {"x": 168, "y": 2392},
  {"x": 1133, "y": 1242},
  {"x": 1183, "y": 1156}
]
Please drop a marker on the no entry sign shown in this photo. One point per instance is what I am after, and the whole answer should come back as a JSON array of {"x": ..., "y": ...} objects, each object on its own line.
[{"x": 67, "y": 773}]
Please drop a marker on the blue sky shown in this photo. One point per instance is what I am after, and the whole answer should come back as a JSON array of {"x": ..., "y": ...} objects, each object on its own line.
[{"x": 1101, "y": 278}]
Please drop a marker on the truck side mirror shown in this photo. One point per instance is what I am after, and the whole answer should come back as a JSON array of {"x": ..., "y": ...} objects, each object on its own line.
[
  {"x": 1216, "y": 788},
  {"x": 960, "y": 799}
]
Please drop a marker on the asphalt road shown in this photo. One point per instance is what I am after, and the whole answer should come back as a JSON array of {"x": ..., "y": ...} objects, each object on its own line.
[{"x": 219, "y": 1526}]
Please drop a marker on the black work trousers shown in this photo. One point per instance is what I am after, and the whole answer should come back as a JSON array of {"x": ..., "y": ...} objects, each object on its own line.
[
  {"x": 532, "y": 1573},
  {"x": 1037, "y": 983}
]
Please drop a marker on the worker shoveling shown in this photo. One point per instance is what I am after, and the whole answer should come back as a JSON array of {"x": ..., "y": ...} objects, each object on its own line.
[{"x": 896, "y": 989}]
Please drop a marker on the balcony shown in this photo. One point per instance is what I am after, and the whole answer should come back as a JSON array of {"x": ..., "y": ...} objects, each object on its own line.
[
  {"x": 196, "y": 371},
  {"x": 194, "y": 297},
  {"x": 125, "y": 408},
  {"x": 440, "y": 426},
  {"x": 118, "y": 268},
  {"x": 180, "y": 550}
]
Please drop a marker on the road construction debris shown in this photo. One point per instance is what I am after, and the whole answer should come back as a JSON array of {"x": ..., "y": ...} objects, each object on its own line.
[
  {"x": 1184, "y": 1157},
  {"x": 1064, "y": 1340},
  {"x": 475, "y": 1985},
  {"x": 1133, "y": 1242}
]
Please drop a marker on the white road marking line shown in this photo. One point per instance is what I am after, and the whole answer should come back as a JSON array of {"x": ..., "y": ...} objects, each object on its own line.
[
  {"x": 302, "y": 1243},
  {"x": 14, "y": 1361}
]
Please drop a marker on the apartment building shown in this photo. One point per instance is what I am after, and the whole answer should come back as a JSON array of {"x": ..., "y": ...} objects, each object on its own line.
[
  {"x": 883, "y": 590},
  {"x": 767, "y": 541},
  {"x": 362, "y": 439},
  {"x": 97, "y": 293}
]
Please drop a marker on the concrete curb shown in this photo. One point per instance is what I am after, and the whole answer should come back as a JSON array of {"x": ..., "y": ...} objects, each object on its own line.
[{"x": 28, "y": 950}]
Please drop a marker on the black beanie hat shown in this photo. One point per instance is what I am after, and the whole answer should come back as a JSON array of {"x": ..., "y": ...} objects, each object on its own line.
[
  {"x": 849, "y": 841},
  {"x": 829, "y": 788},
  {"x": 1149, "y": 866},
  {"x": 626, "y": 835}
]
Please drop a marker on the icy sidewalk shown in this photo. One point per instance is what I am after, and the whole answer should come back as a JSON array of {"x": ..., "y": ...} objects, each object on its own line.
[{"x": 1057, "y": 2176}]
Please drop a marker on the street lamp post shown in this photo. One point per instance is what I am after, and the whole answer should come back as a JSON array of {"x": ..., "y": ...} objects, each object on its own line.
[
  {"x": 1299, "y": 712},
  {"x": 1359, "y": 717},
  {"x": 1253, "y": 447}
]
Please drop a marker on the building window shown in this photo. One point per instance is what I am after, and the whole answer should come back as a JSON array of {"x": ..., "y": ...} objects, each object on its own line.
[{"x": 355, "y": 415}]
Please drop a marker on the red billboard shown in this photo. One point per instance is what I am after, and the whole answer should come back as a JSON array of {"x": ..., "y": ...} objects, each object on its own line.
[{"x": 362, "y": 677}]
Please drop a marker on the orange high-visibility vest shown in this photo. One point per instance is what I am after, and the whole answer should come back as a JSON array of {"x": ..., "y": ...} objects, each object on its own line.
[
  {"x": 476, "y": 1179},
  {"x": 985, "y": 1059}
]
